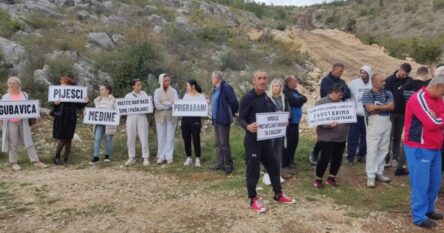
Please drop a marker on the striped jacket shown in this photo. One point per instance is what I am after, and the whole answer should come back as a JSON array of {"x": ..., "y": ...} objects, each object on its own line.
[{"x": 424, "y": 121}]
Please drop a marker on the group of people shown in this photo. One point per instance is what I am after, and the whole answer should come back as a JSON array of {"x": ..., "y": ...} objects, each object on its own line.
[{"x": 385, "y": 108}]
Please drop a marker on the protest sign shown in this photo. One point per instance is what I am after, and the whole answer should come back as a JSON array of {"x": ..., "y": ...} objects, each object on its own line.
[
  {"x": 190, "y": 108},
  {"x": 325, "y": 114},
  {"x": 19, "y": 109},
  {"x": 100, "y": 116},
  {"x": 67, "y": 94},
  {"x": 131, "y": 106},
  {"x": 271, "y": 125}
]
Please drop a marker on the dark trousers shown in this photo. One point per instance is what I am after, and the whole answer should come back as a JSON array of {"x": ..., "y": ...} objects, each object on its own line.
[
  {"x": 395, "y": 139},
  {"x": 331, "y": 153},
  {"x": 316, "y": 149},
  {"x": 356, "y": 143},
  {"x": 292, "y": 144},
  {"x": 257, "y": 153},
  {"x": 191, "y": 127},
  {"x": 223, "y": 149}
]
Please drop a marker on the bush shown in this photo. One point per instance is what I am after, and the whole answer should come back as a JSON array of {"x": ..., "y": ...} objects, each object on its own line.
[
  {"x": 425, "y": 52},
  {"x": 351, "y": 25},
  {"x": 333, "y": 20},
  {"x": 438, "y": 4},
  {"x": 7, "y": 25},
  {"x": 37, "y": 21},
  {"x": 232, "y": 60}
]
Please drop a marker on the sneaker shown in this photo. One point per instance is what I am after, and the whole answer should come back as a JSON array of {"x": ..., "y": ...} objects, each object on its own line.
[
  {"x": 266, "y": 179},
  {"x": 197, "y": 162},
  {"x": 387, "y": 164},
  {"x": 257, "y": 205},
  {"x": 170, "y": 161},
  {"x": 428, "y": 224},
  {"x": 107, "y": 160},
  {"x": 434, "y": 216},
  {"x": 15, "y": 167},
  {"x": 382, "y": 178},
  {"x": 130, "y": 162},
  {"x": 146, "y": 162},
  {"x": 282, "y": 198},
  {"x": 313, "y": 159},
  {"x": 360, "y": 159},
  {"x": 282, "y": 179},
  {"x": 318, "y": 184},
  {"x": 331, "y": 181},
  {"x": 229, "y": 170},
  {"x": 401, "y": 172},
  {"x": 394, "y": 163},
  {"x": 94, "y": 161},
  {"x": 159, "y": 161},
  {"x": 39, "y": 164},
  {"x": 188, "y": 161},
  {"x": 371, "y": 182}
]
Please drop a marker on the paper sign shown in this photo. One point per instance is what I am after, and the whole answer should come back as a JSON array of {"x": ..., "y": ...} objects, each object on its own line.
[
  {"x": 131, "y": 106},
  {"x": 190, "y": 108},
  {"x": 271, "y": 125},
  {"x": 75, "y": 94},
  {"x": 100, "y": 116},
  {"x": 19, "y": 109},
  {"x": 325, "y": 114}
]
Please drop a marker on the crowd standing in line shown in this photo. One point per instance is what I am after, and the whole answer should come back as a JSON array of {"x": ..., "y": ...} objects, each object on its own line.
[{"x": 386, "y": 108}]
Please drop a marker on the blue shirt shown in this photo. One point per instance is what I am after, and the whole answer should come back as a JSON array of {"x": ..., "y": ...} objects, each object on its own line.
[
  {"x": 377, "y": 98},
  {"x": 214, "y": 100}
]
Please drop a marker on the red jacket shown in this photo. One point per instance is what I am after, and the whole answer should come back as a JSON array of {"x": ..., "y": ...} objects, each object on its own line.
[{"x": 424, "y": 121}]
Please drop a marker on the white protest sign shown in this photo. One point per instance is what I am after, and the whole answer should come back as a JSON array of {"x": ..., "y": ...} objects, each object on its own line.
[
  {"x": 67, "y": 93},
  {"x": 131, "y": 106},
  {"x": 100, "y": 116},
  {"x": 325, "y": 114},
  {"x": 190, "y": 108},
  {"x": 271, "y": 125},
  {"x": 19, "y": 109}
]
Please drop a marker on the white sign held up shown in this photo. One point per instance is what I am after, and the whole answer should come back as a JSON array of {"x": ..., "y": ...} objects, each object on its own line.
[
  {"x": 131, "y": 106},
  {"x": 271, "y": 125},
  {"x": 19, "y": 109},
  {"x": 100, "y": 116},
  {"x": 190, "y": 108},
  {"x": 325, "y": 114},
  {"x": 67, "y": 94}
]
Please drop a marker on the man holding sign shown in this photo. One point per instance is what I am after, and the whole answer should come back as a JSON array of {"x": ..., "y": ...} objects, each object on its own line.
[{"x": 254, "y": 102}]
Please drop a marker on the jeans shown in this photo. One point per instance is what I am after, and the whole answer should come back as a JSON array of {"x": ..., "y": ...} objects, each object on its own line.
[
  {"x": 223, "y": 149},
  {"x": 357, "y": 145},
  {"x": 395, "y": 139},
  {"x": 99, "y": 132}
]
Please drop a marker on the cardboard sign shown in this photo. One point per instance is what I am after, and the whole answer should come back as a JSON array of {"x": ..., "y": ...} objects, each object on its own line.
[
  {"x": 19, "y": 109},
  {"x": 67, "y": 94},
  {"x": 101, "y": 116},
  {"x": 271, "y": 125},
  {"x": 325, "y": 114},
  {"x": 190, "y": 108},
  {"x": 131, "y": 106}
]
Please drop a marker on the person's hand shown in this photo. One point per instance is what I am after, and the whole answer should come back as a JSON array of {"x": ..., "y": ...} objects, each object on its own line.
[
  {"x": 86, "y": 99},
  {"x": 333, "y": 125},
  {"x": 57, "y": 102},
  {"x": 252, "y": 127}
]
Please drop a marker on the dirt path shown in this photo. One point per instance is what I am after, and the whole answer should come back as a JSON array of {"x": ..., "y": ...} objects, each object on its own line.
[{"x": 115, "y": 199}]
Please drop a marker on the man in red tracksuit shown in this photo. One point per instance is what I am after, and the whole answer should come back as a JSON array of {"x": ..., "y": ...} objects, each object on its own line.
[{"x": 423, "y": 139}]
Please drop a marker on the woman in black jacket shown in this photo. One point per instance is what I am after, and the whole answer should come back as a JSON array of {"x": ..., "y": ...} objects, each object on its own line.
[{"x": 65, "y": 119}]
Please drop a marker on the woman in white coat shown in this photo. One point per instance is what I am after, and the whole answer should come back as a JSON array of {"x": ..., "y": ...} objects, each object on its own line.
[
  {"x": 164, "y": 97},
  {"x": 16, "y": 131}
]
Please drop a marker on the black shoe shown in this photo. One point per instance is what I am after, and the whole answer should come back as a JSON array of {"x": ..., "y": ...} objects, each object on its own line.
[
  {"x": 217, "y": 168},
  {"x": 58, "y": 161},
  {"x": 428, "y": 224},
  {"x": 229, "y": 170},
  {"x": 434, "y": 216},
  {"x": 401, "y": 172},
  {"x": 107, "y": 158},
  {"x": 360, "y": 159},
  {"x": 94, "y": 161}
]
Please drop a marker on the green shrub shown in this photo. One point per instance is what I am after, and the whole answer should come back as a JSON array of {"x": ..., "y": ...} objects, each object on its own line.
[
  {"x": 215, "y": 32},
  {"x": 333, "y": 20},
  {"x": 38, "y": 21},
  {"x": 425, "y": 52},
  {"x": 351, "y": 25},
  {"x": 7, "y": 25},
  {"x": 438, "y": 4},
  {"x": 281, "y": 27},
  {"x": 233, "y": 61}
]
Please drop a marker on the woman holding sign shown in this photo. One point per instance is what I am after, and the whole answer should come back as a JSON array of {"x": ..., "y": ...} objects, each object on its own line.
[
  {"x": 191, "y": 126},
  {"x": 137, "y": 125},
  {"x": 164, "y": 97},
  {"x": 105, "y": 101},
  {"x": 65, "y": 121},
  {"x": 17, "y": 131}
]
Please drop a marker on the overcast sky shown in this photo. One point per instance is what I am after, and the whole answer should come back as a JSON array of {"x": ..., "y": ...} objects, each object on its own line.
[{"x": 293, "y": 2}]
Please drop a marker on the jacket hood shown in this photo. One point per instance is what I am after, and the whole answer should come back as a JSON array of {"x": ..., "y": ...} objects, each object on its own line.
[{"x": 368, "y": 70}]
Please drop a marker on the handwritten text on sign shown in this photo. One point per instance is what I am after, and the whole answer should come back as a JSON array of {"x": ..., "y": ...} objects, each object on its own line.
[
  {"x": 271, "y": 125},
  {"x": 190, "y": 108},
  {"x": 19, "y": 109},
  {"x": 130, "y": 106},
  {"x": 325, "y": 114},
  {"x": 67, "y": 93},
  {"x": 99, "y": 116}
]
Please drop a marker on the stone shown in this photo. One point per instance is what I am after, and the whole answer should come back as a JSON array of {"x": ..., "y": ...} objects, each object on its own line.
[
  {"x": 42, "y": 75},
  {"x": 158, "y": 29},
  {"x": 157, "y": 20},
  {"x": 101, "y": 39}
]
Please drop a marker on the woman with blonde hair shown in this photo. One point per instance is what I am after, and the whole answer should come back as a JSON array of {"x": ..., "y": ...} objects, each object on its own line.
[{"x": 16, "y": 131}]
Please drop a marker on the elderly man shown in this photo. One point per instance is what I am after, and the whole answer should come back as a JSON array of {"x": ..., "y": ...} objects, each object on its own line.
[
  {"x": 257, "y": 101},
  {"x": 378, "y": 104},
  {"x": 423, "y": 139},
  {"x": 224, "y": 105}
]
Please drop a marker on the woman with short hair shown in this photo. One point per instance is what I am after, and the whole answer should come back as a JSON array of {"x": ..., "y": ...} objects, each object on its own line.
[{"x": 16, "y": 131}]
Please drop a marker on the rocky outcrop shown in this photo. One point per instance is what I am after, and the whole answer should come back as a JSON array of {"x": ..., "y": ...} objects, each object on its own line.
[
  {"x": 100, "y": 39},
  {"x": 14, "y": 55}
]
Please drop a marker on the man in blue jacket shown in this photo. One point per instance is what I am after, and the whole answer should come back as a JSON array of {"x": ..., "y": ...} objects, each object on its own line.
[
  {"x": 224, "y": 105},
  {"x": 295, "y": 100}
]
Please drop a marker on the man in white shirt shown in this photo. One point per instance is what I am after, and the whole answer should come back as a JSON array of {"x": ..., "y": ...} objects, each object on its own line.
[{"x": 356, "y": 145}]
